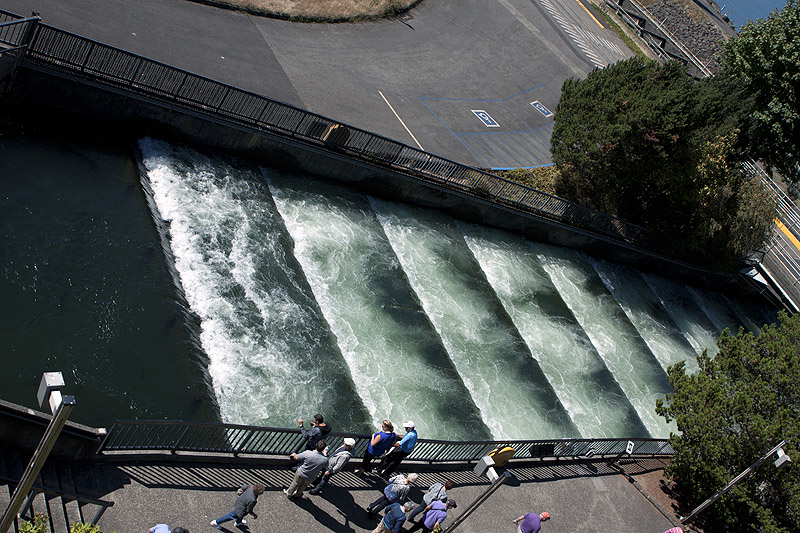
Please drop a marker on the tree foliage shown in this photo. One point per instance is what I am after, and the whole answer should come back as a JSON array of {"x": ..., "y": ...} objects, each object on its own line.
[
  {"x": 740, "y": 405},
  {"x": 766, "y": 56},
  {"x": 642, "y": 141}
]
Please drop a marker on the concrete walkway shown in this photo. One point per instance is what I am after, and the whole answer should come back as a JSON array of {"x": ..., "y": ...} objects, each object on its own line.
[{"x": 580, "y": 497}]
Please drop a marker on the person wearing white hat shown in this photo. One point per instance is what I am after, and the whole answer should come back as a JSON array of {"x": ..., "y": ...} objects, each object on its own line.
[
  {"x": 400, "y": 451},
  {"x": 336, "y": 462}
]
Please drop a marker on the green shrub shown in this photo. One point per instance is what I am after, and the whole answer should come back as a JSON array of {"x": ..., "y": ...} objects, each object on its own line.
[
  {"x": 39, "y": 525},
  {"x": 80, "y": 527}
]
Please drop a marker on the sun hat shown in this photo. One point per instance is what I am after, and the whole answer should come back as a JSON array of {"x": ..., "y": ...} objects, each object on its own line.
[
  {"x": 349, "y": 442},
  {"x": 545, "y": 516},
  {"x": 408, "y": 424},
  {"x": 412, "y": 478}
]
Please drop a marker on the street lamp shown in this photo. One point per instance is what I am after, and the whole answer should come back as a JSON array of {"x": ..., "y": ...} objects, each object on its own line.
[
  {"x": 61, "y": 406},
  {"x": 780, "y": 462},
  {"x": 485, "y": 467}
]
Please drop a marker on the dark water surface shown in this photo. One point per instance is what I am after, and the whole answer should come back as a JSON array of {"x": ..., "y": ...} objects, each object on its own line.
[{"x": 84, "y": 285}]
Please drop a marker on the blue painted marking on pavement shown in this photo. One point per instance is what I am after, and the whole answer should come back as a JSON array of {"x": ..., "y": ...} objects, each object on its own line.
[
  {"x": 542, "y": 109},
  {"x": 486, "y": 118},
  {"x": 448, "y": 129}
]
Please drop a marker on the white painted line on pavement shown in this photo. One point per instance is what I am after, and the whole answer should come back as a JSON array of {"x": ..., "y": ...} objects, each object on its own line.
[{"x": 401, "y": 120}]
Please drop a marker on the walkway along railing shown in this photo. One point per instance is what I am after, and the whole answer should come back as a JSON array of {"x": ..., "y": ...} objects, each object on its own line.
[
  {"x": 213, "y": 438},
  {"x": 51, "y": 49}
]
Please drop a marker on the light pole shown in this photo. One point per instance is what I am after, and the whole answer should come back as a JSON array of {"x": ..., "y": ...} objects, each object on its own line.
[
  {"x": 485, "y": 467},
  {"x": 49, "y": 394},
  {"x": 780, "y": 462}
]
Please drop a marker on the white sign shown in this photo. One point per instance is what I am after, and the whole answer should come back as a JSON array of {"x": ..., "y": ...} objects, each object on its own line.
[
  {"x": 542, "y": 109},
  {"x": 486, "y": 118},
  {"x": 629, "y": 448}
]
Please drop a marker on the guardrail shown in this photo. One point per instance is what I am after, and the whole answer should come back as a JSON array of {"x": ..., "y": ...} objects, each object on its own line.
[
  {"x": 52, "y": 49},
  {"x": 15, "y": 32},
  {"x": 102, "y": 505},
  {"x": 637, "y": 17},
  {"x": 234, "y": 439}
]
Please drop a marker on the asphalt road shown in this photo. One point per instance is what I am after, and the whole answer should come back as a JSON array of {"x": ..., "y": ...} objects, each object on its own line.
[{"x": 457, "y": 78}]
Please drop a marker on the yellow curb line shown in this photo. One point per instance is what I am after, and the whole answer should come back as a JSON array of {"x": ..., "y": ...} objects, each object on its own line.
[{"x": 590, "y": 14}]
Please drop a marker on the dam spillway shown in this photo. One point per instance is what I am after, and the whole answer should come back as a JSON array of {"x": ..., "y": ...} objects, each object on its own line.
[
  {"x": 312, "y": 297},
  {"x": 203, "y": 287}
]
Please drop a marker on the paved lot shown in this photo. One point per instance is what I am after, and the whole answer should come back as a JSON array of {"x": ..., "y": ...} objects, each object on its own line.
[
  {"x": 456, "y": 78},
  {"x": 579, "y": 498}
]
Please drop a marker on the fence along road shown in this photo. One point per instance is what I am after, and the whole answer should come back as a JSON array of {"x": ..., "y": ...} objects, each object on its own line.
[{"x": 53, "y": 50}]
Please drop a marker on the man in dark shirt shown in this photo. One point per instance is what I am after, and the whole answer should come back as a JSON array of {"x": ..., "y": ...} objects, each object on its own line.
[{"x": 393, "y": 520}]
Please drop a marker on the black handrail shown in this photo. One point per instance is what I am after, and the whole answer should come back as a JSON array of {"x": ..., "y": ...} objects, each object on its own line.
[
  {"x": 55, "y": 49},
  {"x": 39, "y": 489},
  {"x": 235, "y": 439}
]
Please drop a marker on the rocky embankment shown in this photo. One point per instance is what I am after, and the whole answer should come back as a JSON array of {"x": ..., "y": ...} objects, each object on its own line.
[{"x": 691, "y": 27}]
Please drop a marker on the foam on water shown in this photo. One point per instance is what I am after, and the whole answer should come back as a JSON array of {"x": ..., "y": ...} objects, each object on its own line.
[
  {"x": 573, "y": 367},
  {"x": 645, "y": 311},
  {"x": 626, "y": 354},
  {"x": 271, "y": 355},
  {"x": 505, "y": 381},
  {"x": 682, "y": 307},
  {"x": 398, "y": 363}
]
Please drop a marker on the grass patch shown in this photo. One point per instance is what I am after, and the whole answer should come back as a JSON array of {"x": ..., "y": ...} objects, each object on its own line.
[
  {"x": 637, "y": 51},
  {"x": 318, "y": 10},
  {"x": 541, "y": 178}
]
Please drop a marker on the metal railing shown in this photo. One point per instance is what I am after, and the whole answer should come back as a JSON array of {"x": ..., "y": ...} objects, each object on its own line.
[
  {"x": 15, "y": 32},
  {"x": 102, "y": 505},
  {"x": 54, "y": 49},
  {"x": 234, "y": 439}
]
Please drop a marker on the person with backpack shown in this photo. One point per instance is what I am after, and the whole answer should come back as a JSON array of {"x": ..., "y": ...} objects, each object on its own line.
[
  {"x": 319, "y": 430},
  {"x": 395, "y": 492}
]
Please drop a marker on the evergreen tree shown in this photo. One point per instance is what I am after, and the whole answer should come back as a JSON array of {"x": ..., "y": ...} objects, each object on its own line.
[
  {"x": 740, "y": 404},
  {"x": 643, "y": 141},
  {"x": 766, "y": 56}
]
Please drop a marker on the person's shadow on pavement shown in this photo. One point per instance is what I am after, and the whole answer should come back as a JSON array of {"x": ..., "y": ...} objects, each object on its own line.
[{"x": 322, "y": 517}]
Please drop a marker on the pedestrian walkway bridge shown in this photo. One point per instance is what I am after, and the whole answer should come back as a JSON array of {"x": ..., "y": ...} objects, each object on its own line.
[{"x": 140, "y": 473}]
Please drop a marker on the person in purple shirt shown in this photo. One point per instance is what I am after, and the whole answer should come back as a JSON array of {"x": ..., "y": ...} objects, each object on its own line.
[
  {"x": 435, "y": 513},
  {"x": 531, "y": 522}
]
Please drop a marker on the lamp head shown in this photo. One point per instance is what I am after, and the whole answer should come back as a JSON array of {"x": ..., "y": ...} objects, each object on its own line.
[{"x": 782, "y": 460}]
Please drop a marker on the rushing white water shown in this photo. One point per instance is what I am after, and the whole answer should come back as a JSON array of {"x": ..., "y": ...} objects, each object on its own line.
[
  {"x": 682, "y": 307},
  {"x": 271, "y": 355},
  {"x": 573, "y": 367},
  {"x": 505, "y": 381},
  {"x": 314, "y": 298},
  {"x": 627, "y": 356},
  {"x": 398, "y": 364},
  {"x": 643, "y": 308}
]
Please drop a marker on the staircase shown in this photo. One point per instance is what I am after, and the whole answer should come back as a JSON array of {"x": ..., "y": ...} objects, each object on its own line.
[{"x": 60, "y": 492}]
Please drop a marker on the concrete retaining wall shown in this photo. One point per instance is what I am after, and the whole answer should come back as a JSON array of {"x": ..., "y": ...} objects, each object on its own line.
[{"x": 141, "y": 116}]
